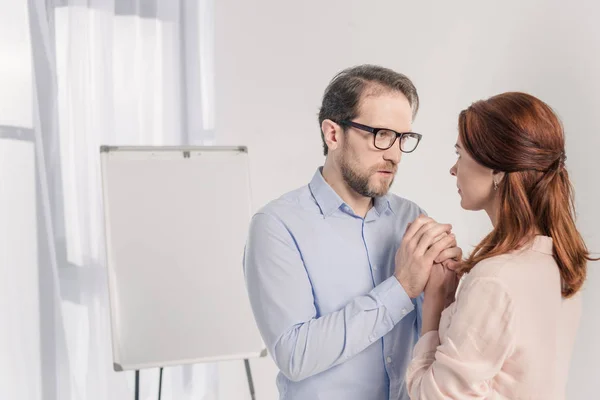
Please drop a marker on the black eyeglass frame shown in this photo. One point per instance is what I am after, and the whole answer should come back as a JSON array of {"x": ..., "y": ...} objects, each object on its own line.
[{"x": 374, "y": 131}]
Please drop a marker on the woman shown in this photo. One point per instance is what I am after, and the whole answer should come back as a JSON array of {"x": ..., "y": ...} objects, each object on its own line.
[{"x": 510, "y": 332}]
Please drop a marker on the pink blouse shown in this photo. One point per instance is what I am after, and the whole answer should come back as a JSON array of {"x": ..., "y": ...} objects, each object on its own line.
[{"x": 508, "y": 335}]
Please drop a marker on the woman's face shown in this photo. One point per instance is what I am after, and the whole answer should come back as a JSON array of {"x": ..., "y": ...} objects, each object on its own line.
[{"x": 474, "y": 181}]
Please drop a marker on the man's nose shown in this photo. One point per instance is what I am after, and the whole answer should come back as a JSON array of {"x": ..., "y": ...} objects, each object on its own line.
[{"x": 393, "y": 154}]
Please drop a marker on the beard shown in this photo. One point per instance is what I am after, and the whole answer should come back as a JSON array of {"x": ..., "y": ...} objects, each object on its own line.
[{"x": 358, "y": 180}]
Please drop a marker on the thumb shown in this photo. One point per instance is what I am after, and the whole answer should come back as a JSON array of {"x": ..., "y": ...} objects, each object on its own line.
[{"x": 452, "y": 265}]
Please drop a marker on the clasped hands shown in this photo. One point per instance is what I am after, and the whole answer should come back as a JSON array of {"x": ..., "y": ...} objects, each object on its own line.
[{"x": 426, "y": 260}]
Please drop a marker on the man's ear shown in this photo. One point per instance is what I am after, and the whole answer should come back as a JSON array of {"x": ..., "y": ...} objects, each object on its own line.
[{"x": 332, "y": 133}]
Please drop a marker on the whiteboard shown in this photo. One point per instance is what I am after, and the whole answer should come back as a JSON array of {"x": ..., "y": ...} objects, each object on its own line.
[{"x": 176, "y": 221}]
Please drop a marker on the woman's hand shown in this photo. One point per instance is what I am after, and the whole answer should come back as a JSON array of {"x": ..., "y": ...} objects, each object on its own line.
[
  {"x": 440, "y": 281},
  {"x": 452, "y": 286},
  {"x": 439, "y": 293}
]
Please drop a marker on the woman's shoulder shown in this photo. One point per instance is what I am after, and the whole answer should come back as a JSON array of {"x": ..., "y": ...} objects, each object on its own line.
[
  {"x": 501, "y": 270},
  {"x": 494, "y": 267},
  {"x": 512, "y": 269},
  {"x": 533, "y": 256}
]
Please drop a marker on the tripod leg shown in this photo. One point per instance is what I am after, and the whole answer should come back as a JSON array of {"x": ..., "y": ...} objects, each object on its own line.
[
  {"x": 160, "y": 383},
  {"x": 137, "y": 385},
  {"x": 250, "y": 381}
]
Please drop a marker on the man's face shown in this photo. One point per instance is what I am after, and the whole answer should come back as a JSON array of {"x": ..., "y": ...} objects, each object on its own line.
[{"x": 366, "y": 169}]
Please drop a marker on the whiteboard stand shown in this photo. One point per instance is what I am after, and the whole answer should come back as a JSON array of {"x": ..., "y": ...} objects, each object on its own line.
[
  {"x": 250, "y": 381},
  {"x": 160, "y": 383},
  {"x": 176, "y": 222},
  {"x": 160, "y": 376},
  {"x": 137, "y": 385}
]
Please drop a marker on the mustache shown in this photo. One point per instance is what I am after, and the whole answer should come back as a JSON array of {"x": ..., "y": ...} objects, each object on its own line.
[{"x": 388, "y": 167}]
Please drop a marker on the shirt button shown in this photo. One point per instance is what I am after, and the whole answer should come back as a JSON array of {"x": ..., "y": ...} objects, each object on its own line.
[
  {"x": 404, "y": 311},
  {"x": 371, "y": 338},
  {"x": 389, "y": 360}
]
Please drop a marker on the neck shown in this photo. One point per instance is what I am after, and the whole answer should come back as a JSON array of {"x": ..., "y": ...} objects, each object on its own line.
[
  {"x": 333, "y": 176},
  {"x": 492, "y": 213},
  {"x": 493, "y": 207}
]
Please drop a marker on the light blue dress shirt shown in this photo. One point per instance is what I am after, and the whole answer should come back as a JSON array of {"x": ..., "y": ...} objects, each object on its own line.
[{"x": 320, "y": 279}]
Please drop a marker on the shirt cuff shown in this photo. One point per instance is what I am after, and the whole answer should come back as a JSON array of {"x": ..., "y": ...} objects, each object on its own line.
[
  {"x": 392, "y": 295},
  {"x": 428, "y": 343}
]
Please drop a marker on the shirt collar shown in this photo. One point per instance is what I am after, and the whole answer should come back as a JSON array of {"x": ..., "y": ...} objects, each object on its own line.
[
  {"x": 329, "y": 201},
  {"x": 381, "y": 204},
  {"x": 542, "y": 244}
]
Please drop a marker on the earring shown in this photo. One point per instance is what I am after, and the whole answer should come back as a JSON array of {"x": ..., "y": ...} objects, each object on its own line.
[{"x": 495, "y": 184}]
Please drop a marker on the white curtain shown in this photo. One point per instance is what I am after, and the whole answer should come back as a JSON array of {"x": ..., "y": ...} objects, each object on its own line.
[{"x": 107, "y": 72}]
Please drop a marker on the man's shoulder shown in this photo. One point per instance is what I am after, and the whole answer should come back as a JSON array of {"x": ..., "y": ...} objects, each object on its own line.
[
  {"x": 404, "y": 208},
  {"x": 288, "y": 203}
]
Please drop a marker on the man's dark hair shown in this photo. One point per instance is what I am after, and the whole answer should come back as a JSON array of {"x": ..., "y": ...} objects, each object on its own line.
[{"x": 343, "y": 94}]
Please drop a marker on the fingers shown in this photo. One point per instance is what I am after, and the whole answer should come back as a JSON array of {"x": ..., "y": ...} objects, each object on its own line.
[
  {"x": 437, "y": 248},
  {"x": 414, "y": 226},
  {"x": 438, "y": 237},
  {"x": 451, "y": 253},
  {"x": 440, "y": 282},
  {"x": 451, "y": 264},
  {"x": 429, "y": 233}
]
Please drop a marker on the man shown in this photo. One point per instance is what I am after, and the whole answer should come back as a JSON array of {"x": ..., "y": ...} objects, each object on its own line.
[{"x": 333, "y": 274}]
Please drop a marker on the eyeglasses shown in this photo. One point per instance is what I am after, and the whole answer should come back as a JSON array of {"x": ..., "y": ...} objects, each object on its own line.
[{"x": 384, "y": 138}]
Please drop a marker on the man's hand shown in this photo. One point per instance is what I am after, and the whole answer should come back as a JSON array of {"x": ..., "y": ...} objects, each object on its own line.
[
  {"x": 420, "y": 247},
  {"x": 450, "y": 257}
]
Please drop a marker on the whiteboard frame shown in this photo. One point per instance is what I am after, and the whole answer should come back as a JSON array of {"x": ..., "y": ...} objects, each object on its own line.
[
  {"x": 185, "y": 150},
  {"x": 106, "y": 149}
]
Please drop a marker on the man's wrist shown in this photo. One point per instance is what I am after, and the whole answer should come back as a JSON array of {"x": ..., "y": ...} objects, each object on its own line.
[
  {"x": 394, "y": 298},
  {"x": 411, "y": 293}
]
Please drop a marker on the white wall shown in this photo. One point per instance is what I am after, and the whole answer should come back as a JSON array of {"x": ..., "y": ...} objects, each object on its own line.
[
  {"x": 20, "y": 353},
  {"x": 275, "y": 58},
  {"x": 20, "y": 360},
  {"x": 15, "y": 65}
]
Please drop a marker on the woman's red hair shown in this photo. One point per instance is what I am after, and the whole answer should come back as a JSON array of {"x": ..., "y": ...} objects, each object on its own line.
[{"x": 520, "y": 135}]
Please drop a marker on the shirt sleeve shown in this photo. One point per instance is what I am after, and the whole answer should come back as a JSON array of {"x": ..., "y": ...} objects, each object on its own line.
[
  {"x": 463, "y": 363},
  {"x": 282, "y": 300}
]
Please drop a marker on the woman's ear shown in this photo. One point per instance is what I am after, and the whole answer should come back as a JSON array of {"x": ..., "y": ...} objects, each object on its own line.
[{"x": 498, "y": 176}]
